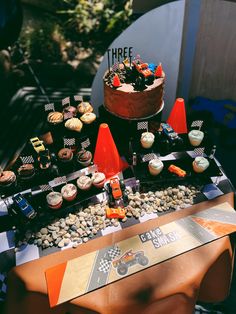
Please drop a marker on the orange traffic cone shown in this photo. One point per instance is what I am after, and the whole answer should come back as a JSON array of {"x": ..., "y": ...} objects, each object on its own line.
[
  {"x": 177, "y": 117},
  {"x": 106, "y": 155}
]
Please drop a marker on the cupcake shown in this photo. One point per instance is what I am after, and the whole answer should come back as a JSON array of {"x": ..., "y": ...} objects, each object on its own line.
[
  {"x": 84, "y": 157},
  {"x": 98, "y": 179},
  {"x": 88, "y": 117},
  {"x": 55, "y": 117},
  {"x": 26, "y": 171},
  {"x": 54, "y": 200},
  {"x": 200, "y": 164},
  {"x": 69, "y": 112},
  {"x": 74, "y": 124},
  {"x": 147, "y": 139},
  {"x": 65, "y": 155},
  {"x": 155, "y": 166},
  {"x": 69, "y": 192},
  {"x": 195, "y": 137},
  {"x": 84, "y": 183},
  {"x": 84, "y": 107},
  {"x": 7, "y": 178}
]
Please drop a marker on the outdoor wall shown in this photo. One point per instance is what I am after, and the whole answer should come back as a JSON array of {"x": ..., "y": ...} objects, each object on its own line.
[{"x": 214, "y": 63}]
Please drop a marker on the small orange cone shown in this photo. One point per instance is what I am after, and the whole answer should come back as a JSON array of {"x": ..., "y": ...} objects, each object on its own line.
[
  {"x": 177, "y": 117},
  {"x": 106, "y": 155}
]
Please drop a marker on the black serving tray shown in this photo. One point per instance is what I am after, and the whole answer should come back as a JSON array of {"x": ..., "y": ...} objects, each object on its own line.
[
  {"x": 141, "y": 172},
  {"x": 162, "y": 148}
]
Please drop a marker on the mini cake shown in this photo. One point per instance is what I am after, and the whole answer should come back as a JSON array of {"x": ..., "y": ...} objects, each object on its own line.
[
  {"x": 55, "y": 117},
  {"x": 200, "y": 164},
  {"x": 88, "y": 117},
  {"x": 65, "y": 155},
  {"x": 69, "y": 112},
  {"x": 155, "y": 166},
  {"x": 69, "y": 192},
  {"x": 98, "y": 179},
  {"x": 134, "y": 90},
  {"x": 84, "y": 107},
  {"x": 26, "y": 171},
  {"x": 74, "y": 124},
  {"x": 147, "y": 139},
  {"x": 7, "y": 178},
  {"x": 195, "y": 137},
  {"x": 84, "y": 157},
  {"x": 84, "y": 183},
  {"x": 54, "y": 200}
]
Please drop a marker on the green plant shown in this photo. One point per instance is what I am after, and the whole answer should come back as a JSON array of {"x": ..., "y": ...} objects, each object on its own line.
[
  {"x": 43, "y": 43},
  {"x": 95, "y": 24}
]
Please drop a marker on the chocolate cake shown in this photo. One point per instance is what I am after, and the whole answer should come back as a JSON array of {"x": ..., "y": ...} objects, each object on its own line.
[{"x": 134, "y": 91}]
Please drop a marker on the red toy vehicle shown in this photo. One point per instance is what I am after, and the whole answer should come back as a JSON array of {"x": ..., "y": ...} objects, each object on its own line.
[
  {"x": 115, "y": 212},
  {"x": 143, "y": 69},
  {"x": 128, "y": 259},
  {"x": 116, "y": 192},
  {"x": 177, "y": 170}
]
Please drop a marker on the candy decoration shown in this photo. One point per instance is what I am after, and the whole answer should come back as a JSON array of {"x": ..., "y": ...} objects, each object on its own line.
[
  {"x": 158, "y": 72},
  {"x": 116, "y": 81}
]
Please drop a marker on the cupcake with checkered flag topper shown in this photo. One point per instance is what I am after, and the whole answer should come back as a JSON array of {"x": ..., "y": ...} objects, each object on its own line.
[{"x": 55, "y": 121}]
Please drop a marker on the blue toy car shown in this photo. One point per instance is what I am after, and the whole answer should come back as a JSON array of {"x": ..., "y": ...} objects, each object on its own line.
[{"x": 22, "y": 207}]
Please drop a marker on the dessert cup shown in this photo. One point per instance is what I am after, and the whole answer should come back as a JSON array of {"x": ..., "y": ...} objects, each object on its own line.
[
  {"x": 155, "y": 166},
  {"x": 195, "y": 137}
]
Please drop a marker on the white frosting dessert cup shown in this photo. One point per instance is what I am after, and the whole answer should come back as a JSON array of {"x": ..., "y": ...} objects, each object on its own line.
[
  {"x": 195, "y": 137},
  {"x": 147, "y": 139},
  {"x": 155, "y": 166},
  {"x": 200, "y": 164}
]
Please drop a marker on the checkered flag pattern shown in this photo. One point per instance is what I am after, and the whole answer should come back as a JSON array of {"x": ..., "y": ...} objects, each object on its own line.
[
  {"x": 59, "y": 180},
  {"x": 78, "y": 98},
  {"x": 85, "y": 143},
  {"x": 114, "y": 252},
  {"x": 69, "y": 141},
  {"x": 45, "y": 187},
  {"x": 49, "y": 107},
  {"x": 197, "y": 123},
  {"x": 199, "y": 151},
  {"x": 3, "y": 286},
  {"x": 149, "y": 157},
  {"x": 142, "y": 125},
  {"x": 104, "y": 265},
  {"x": 27, "y": 159},
  {"x": 115, "y": 66},
  {"x": 65, "y": 101}
]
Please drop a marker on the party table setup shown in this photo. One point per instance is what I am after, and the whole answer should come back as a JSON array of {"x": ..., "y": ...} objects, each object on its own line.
[{"x": 118, "y": 211}]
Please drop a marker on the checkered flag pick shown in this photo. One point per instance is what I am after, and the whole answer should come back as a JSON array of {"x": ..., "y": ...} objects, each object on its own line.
[
  {"x": 104, "y": 265},
  {"x": 65, "y": 101},
  {"x": 149, "y": 157},
  {"x": 197, "y": 123},
  {"x": 142, "y": 125},
  {"x": 114, "y": 252},
  {"x": 85, "y": 143},
  {"x": 49, "y": 107},
  {"x": 78, "y": 98},
  {"x": 27, "y": 159},
  {"x": 199, "y": 151},
  {"x": 69, "y": 141},
  {"x": 115, "y": 66}
]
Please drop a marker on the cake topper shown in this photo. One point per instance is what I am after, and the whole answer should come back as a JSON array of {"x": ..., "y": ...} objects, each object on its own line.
[{"x": 118, "y": 54}]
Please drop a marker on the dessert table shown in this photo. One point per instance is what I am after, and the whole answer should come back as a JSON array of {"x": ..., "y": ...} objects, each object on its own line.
[{"x": 169, "y": 287}]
